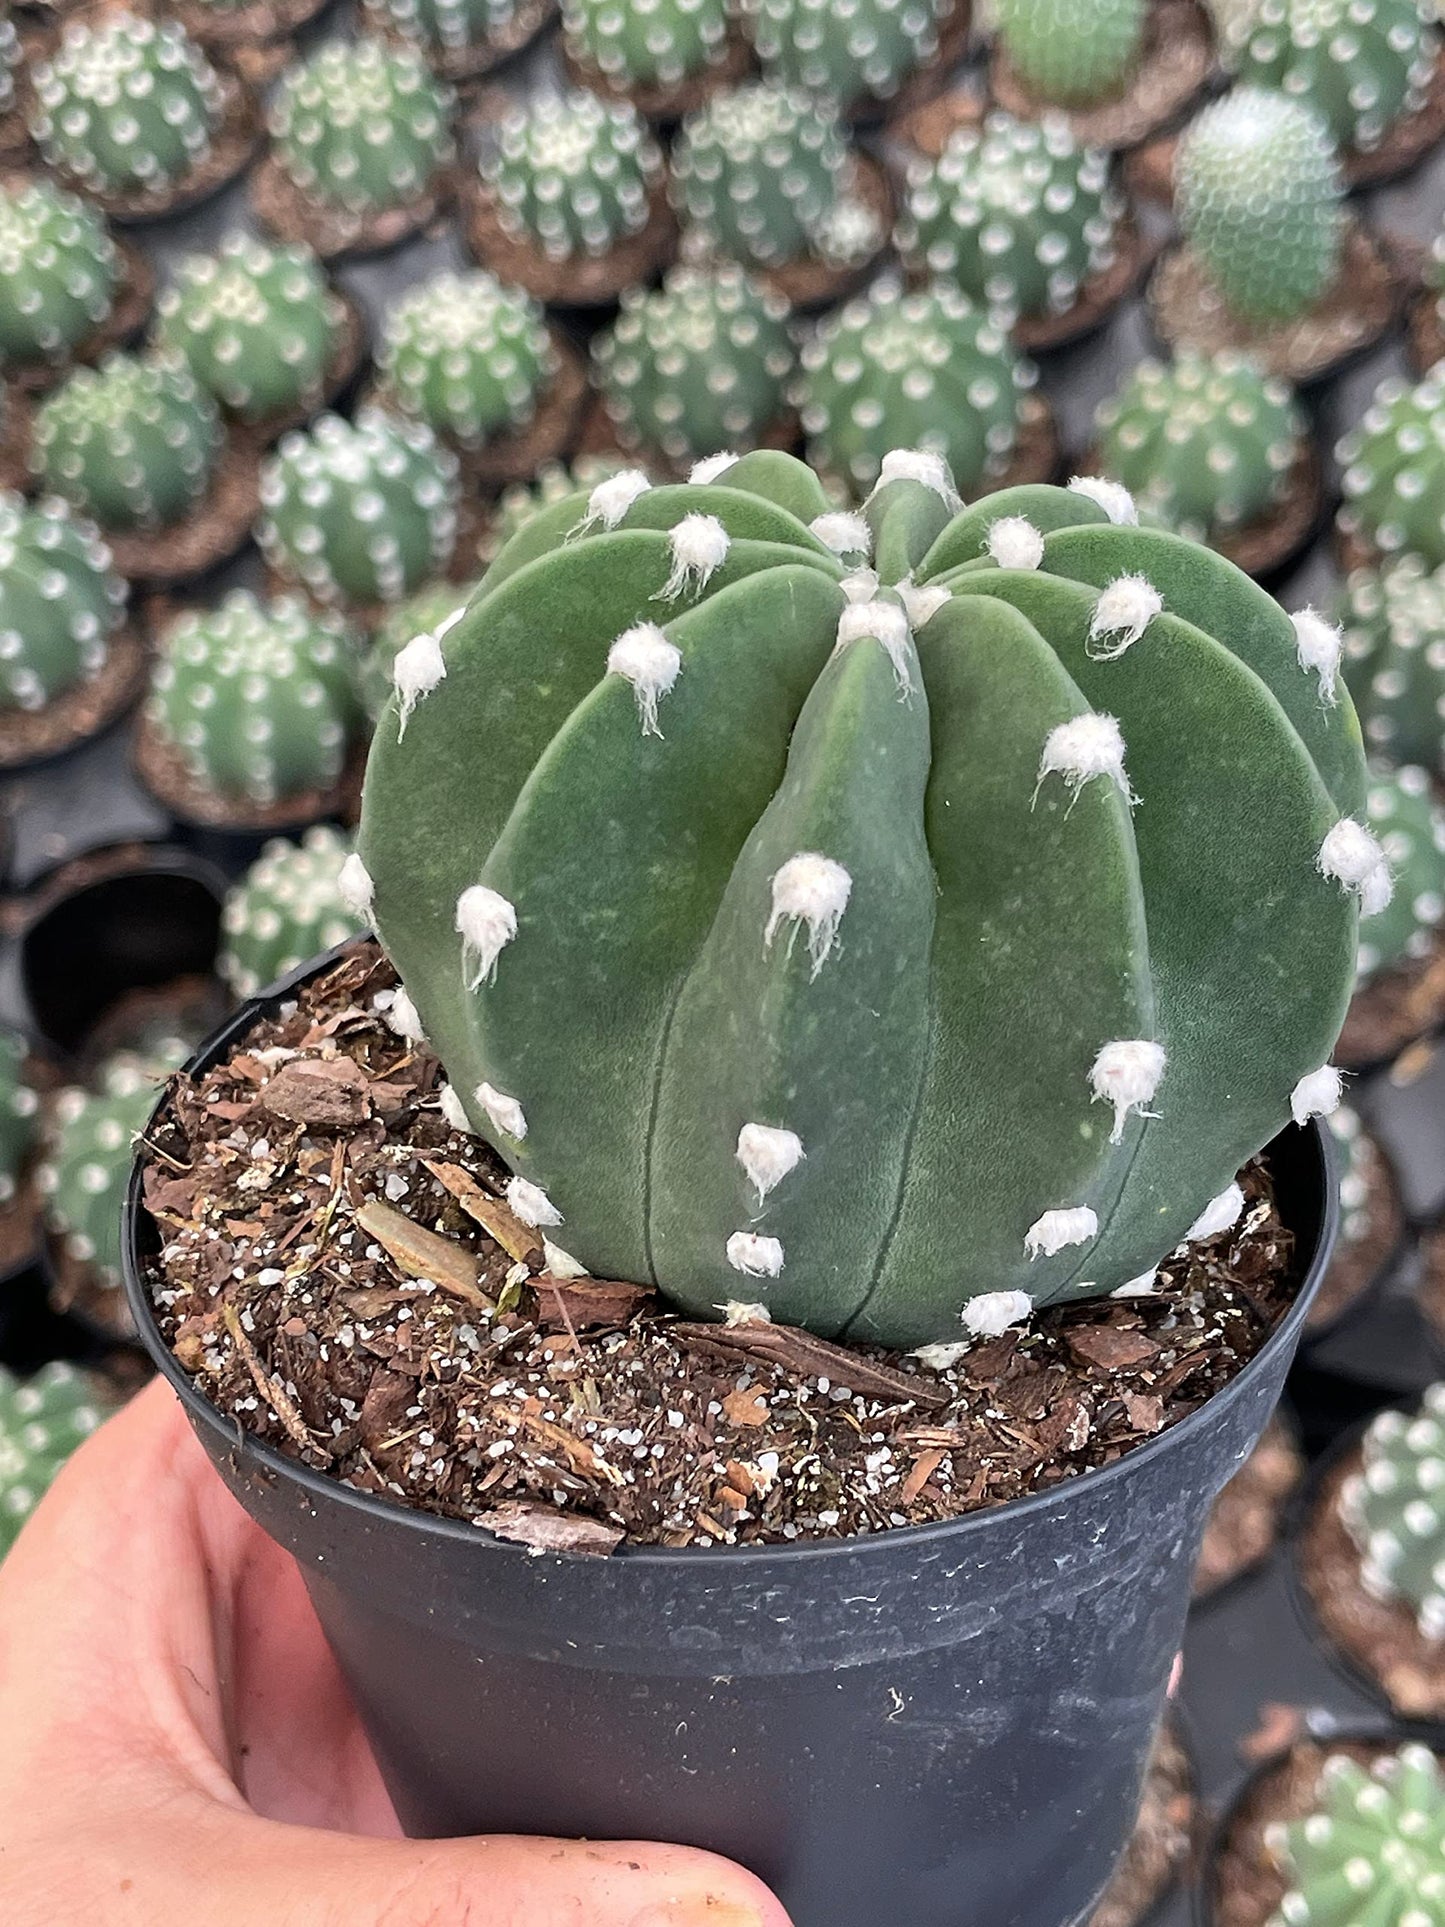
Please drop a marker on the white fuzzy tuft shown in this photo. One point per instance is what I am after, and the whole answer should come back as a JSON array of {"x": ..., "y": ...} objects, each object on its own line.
[
  {"x": 1112, "y": 497},
  {"x": 1143, "y": 1286},
  {"x": 1316, "y": 1094},
  {"x": 1014, "y": 543},
  {"x": 767, "y": 1154},
  {"x": 699, "y": 545},
  {"x": 814, "y": 890},
  {"x": 1124, "y": 611},
  {"x": 1075, "y": 1225},
  {"x": 1353, "y": 856},
  {"x": 486, "y": 923},
  {"x": 920, "y": 465},
  {"x": 1082, "y": 748},
  {"x": 417, "y": 670},
  {"x": 843, "y": 533},
  {"x": 611, "y": 500},
  {"x": 1126, "y": 1074},
  {"x": 861, "y": 585},
  {"x": 1377, "y": 891},
  {"x": 736, "y": 1312},
  {"x": 994, "y": 1312},
  {"x": 355, "y": 886},
  {"x": 645, "y": 657},
  {"x": 1220, "y": 1214},
  {"x": 943, "y": 1358},
  {"x": 711, "y": 466},
  {"x": 405, "y": 1019},
  {"x": 505, "y": 1113},
  {"x": 921, "y": 605},
  {"x": 530, "y": 1203},
  {"x": 453, "y": 1110},
  {"x": 755, "y": 1257},
  {"x": 560, "y": 1263},
  {"x": 886, "y": 624},
  {"x": 1320, "y": 645}
]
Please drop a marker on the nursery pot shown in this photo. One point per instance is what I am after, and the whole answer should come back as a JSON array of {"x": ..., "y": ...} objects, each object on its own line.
[{"x": 930, "y": 1727}]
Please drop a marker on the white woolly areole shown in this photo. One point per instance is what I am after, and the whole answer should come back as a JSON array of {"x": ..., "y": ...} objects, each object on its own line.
[
  {"x": 699, "y": 545},
  {"x": 1082, "y": 748},
  {"x": 355, "y": 887},
  {"x": 993, "y": 1312},
  {"x": 1353, "y": 856},
  {"x": 1316, "y": 1094},
  {"x": 767, "y": 1154},
  {"x": 814, "y": 890},
  {"x": 886, "y": 624},
  {"x": 1320, "y": 645},
  {"x": 505, "y": 1112},
  {"x": 1140, "y": 1287},
  {"x": 860, "y": 586},
  {"x": 415, "y": 673},
  {"x": 1112, "y": 497},
  {"x": 921, "y": 605},
  {"x": 1124, "y": 611},
  {"x": 453, "y": 1110},
  {"x": 1220, "y": 1214},
  {"x": 1014, "y": 543},
  {"x": 487, "y": 923},
  {"x": 943, "y": 1358},
  {"x": 736, "y": 1312},
  {"x": 1126, "y": 1073},
  {"x": 755, "y": 1257},
  {"x": 530, "y": 1203},
  {"x": 405, "y": 1019},
  {"x": 711, "y": 466},
  {"x": 1074, "y": 1225},
  {"x": 560, "y": 1263},
  {"x": 645, "y": 657},
  {"x": 919, "y": 465},
  {"x": 611, "y": 500},
  {"x": 843, "y": 533}
]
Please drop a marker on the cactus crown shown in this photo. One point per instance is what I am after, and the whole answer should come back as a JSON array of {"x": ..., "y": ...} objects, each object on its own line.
[
  {"x": 132, "y": 443},
  {"x": 927, "y": 369},
  {"x": 1016, "y": 212},
  {"x": 468, "y": 355},
  {"x": 1394, "y": 661},
  {"x": 362, "y": 126},
  {"x": 449, "y": 26},
  {"x": 19, "y": 1108},
  {"x": 779, "y": 859},
  {"x": 1394, "y": 1509},
  {"x": 1361, "y": 64},
  {"x": 359, "y": 511},
  {"x": 698, "y": 364},
  {"x": 60, "y": 602},
  {"x": 1394, "y": 470},
  {"x": 424, "y": 614},
  {"x": 647, "y": 42},
  {"x": 286, "y": 909},
  {"x": 1258, "y": 192},
  {"x": 58, "y": 273},
  {"x": 1410, "y": 826},
  {"x": 42, "y": 1421},
  {"x": 1373, "y": 1849},
  {"x": 1206, "y": 444},
  {"x": 126, "y": 104},
  {"x": 1071, "y": 52},
  {"x": 573, "y": 174},
  {"x": 838, "y": 52},
  {"x": 256, "y": 325}
]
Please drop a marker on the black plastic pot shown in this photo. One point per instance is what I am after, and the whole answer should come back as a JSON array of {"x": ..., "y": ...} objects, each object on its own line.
[{"x": 927, "y": 1727}]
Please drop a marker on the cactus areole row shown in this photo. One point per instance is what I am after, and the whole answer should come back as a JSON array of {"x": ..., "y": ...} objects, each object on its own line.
[{"x": 900, "y": 920}]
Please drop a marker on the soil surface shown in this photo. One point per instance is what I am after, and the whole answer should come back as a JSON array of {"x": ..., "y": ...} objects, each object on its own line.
[
  {"x": 339, "y": 1273},
  {"x": 1246, "y": 1519},
  {"x": 1162, "y": 1841}
]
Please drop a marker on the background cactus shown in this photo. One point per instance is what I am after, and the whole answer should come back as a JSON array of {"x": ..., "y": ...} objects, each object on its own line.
[
  {"x": 59, "y": 270},
  {"x": 700, "y": 364},
  {"x": 1394, "y": 470},
  {"x": 1358, "y": 1163},
  {"x": 1071, "y": 52},
  {"x": 573, "y": 174},
  {"x": 360, "y": 511},
  {"x": 127, "y": 104},
  {"x": 42, "y": 1421},
  {"x": 1205, "y": 444},
  {"x": 1016, "y": 212},
  {"x": 552, "y": 483},
  {"x": 133, "y": 443},
  {"x": 421, "y": 614},
  {"x": 12, "y": 64},
  {"x": 257, "y": 698},
  {"x": 19, "y": 1109},
  {"x": 286, "y": 909},
  {"x": 467, "y": 355},
  {"x": 1393, "y": 1510},
  {"x": 1361, "y": 64},
  {"x": 1394, "y": 640},
  {"x": 838, "y": 52},
  {"x": 821, "y": 866},
  {"x": 1371, "y": 1850},
  {"x": 362, "y": 126},
  {"x": 448, "y": 26},
  {"x": 1258, "y": 194},
  {"x": 647, "y": 43},
  {"x": 1410, "y": 826},
  {"x": 257, "y": 326},
  {"x": 927, "y": 369},
  {"x": 60, "y": 602}
]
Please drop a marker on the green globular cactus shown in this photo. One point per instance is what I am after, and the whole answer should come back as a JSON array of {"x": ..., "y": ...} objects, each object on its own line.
[
  {"x": 127, "y": 104},
  {"x": 552, "y": 483},
  {"x": 361, "y": 511},
  {"x": 43, "y": 1420},
  {"x": 258, "y": 699},
  {"x": 1394, "y": 470},
  {"x": 1017, "y": 213},
  {"x": 362, "y": 126},
  {"x": 1258, "y": 193},
  {"x": 12, "y": 64},
  {"x": 19, "y": 1111},
  {"x": 1205, "y": 444},
  {"x": 60, "y": 602},
  {"x": 1357, "y": 1162},
  {"x": 59, "y": 270},
  {"x": 1361, "y": 64},
  {"x": 133, "y": 443},
  {"x": 1410, "y": 827},
  {"x": 1372, "y": 1853},
  {"x": 286, "y": 909},
  {"x": 1394, "y": 640},
  {"x": 698, "y": 365},
  {"x": 837, "y": 53},
  {"x": 1393, "y": 1508},
  {"x": 572, "y": 174},
  {"x": 467, "y": 355},
  {"x": 256, "y": 325},
  {"x": 647, "y": 43},
  {"x": 427, "y": 612},
  {"x": 447, "y": 26},
  {"x": 1071, "y": 53},
  {"x": 798, "y": 939},
  {"x": 927, "y": 369}
]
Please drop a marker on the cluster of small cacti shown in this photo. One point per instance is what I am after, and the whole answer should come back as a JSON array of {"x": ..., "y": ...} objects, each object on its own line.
[
  {"x": 1258, "y": 193},
  {"x": 553, "y": 482},
  {"x": 647, "y": 43},
  {"x": 362, "y": 126},
  {"x": 573, "y": 174},
  {"x": 286, "y": 909},
  {"x": 447, "y": 26},
  {"x": 133, "y": 443},
  {"x": 467, "y": 355},
  {"x": 256, "y": 325},
  {"x": 258, "y": 699},
  {"x": 837, "y": 53},
  {"x": 127, "y": 105},
  {"x": 1017, "y": 213},
  {"x": 797, "y": 764},
  {"x": 1393, "y": 1508},
  {"x": 1205, "y": 444},
  {"x": 19, "y": 1110},
  {"x": 699, "y": 364},
  {"x": 60, "y": 602},
  {"x": 43, "y": 1420},
  {"x": 362, "y": 511},
  {"x": 927, "y": 369},
  {"x": 1393, "y": 620},
  {"x": 424, "y": 613},
  {"x": 1361, "y": 64},
  {"x": 1372, "y": 1852},
  {"x": 59, "y": 270},
  {"x": 1394, "y": 471},
  {"x": 1071, "y": 53},
  {"x": 1410, "y": 826}
]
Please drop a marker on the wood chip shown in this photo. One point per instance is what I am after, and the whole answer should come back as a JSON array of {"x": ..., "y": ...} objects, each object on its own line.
[
  {"x": 424, "y": 1254},
  {"x": 798, "y": 1351},
  {"x": 577, "y": 1452},
  {"x": 1145, "y": 1414},
  {"x": 271, "y": 1389},
  {"x": 745, "y": 1407},
  {"x": 586, "y": 1304},
  {"x": 545, "y": 1529},
  {"x": 518, "y": 1240},
  {"x": 331, "y": 1093},
  {"x": 1109, "y": 1348},
  {"x": 1278, "y": 1727},
  {"x": 924, "y": 1467}
]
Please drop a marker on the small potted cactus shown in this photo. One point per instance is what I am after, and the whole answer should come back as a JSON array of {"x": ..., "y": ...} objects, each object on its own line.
[
  {"x": 869, "y": 57},
  {"x": 425, "y": 613},
  {"x": 570, "y": 200},
  {"x": 22, "y": 1075},
  {"x": 68, "y": 290},
  {"x": 1372, "y": 1225},
  {"x": 664, "y": 56},
  {"x": 361, "y": 149},
  {"x": 1394, "y": 475},
  {"x": 1393, "y": 622},
  {"x": 43, "y": 1418},
  {"x": 285, "y": 910},
  {"x": 462, "y": 39}
]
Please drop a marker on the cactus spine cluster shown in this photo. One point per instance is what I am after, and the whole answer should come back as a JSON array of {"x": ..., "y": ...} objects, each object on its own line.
[
  {"x": 647, "y": 43},
  {"x": 1394, "y": 638},
  {"x": 447, "y": 26},
  {"x": 127, "y": 104},
  {"x": 286, "y": 909},
  {"x": 1373, "y": 1851},
  {"x": 837, "y": 53},
  {"x": 1361, "y": 64},
  {"x": 1394, "y": 470},
  {"x": 60, "y": 602},
  {"x": 1258, "y": 194},
  {"x": 1410, "y": 826},
  {"x": 1394, "y": 1510},
  {"x": 927, "y": 369},
  {"x": 58, "y": 273},
  {"x": 425, "y": 613},
  {"x": 573, "y": 174},
  {"x": 19, "y": 1108},
  {"x": 1205, "y": 444},
  {"x": 42, "y": 1421},
  {"x": 361, "y": 511},
  {"x": 857, "y": 790},
  {"x": 1071, "y": 53},
  {"x": 468, "y": 356},
  {"x": 362, "y": 126},
  {"x": 132, "y": 444},
  {"x": 1017, "y": 213}
]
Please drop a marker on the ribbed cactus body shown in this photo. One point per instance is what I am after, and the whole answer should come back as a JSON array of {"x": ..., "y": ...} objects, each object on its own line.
[
  {"x": 19, "y": 1108},
  {"x": 422, "y": 614},
  {"x": 132, "y": 444},
  {"x": 573, "y": 174},
  {"x": 870, "y": 47},
  {"x": 1017, "y": 213},
  {"x": 126, "y": 104},
  {"x": 1394, "y": 471},
  {"x": 928, "y": 370},
  {"x": 60, "y": 602},
  {"x": 88, "y": 1153},
  {"x": 1361, "y": 64},
  {"x": 1394, "y": 637},
  {"x": 1258, "y": 194},
  {"x": 647, "y": 42},
  {"x": 1394, "y": 1509},
  {"x": 362, "y": 126},
  {"x": 286, "y": 909},
  {"x": 1403, "y": 814},
  {"x": 1372, "y": 1853},
  {"x": 1071, "y": 52},
  {"x": 58, "y": 273},
  {"x": 794, "y": 948},
  {"x": 361, "y": 511},
  {"x": 447, "y": 26},
  {"x": 42, "y": 1421},
  {"x": 467, "y": 355}
]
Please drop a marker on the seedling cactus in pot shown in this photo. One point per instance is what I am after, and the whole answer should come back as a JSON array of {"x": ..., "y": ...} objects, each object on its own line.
[
  {"x": 59, "y": 275},
  {"x": 286, "y": 909},
  {"x": 665, "y": 57},
  {"x": 43, "y": 1419},
  {"x": 1071, "y": 53},
  {"x": 1371, "y": 1849},
  {"x": 462, "y": 38},
  {"x": 1363, "y": 65},
  {"x": 1400, "y": 996},
  {"x": 1393, "y": 620},
  {"x": 1394, "y": 474},
  {"x": 856, "y": 55}
]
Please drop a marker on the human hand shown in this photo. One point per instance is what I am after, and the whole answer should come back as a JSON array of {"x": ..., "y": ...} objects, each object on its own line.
[{"x": 177, "y": 1746}]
